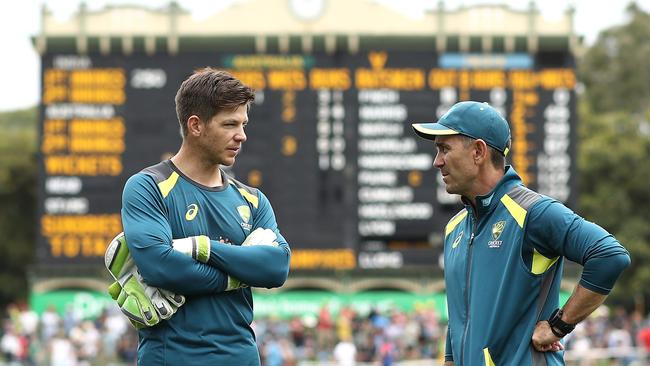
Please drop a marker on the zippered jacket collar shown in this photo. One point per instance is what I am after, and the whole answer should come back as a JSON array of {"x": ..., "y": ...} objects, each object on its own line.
[{"x": 486, "y": 203}]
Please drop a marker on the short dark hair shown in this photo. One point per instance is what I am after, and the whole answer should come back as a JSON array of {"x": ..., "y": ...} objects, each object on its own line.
[
  {"x": 207, "y": 92},
  {"x": 496, "y": 157}
]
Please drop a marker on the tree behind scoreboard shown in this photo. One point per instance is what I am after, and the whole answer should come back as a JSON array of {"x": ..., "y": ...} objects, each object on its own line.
[{"x": 18, "y": 171}]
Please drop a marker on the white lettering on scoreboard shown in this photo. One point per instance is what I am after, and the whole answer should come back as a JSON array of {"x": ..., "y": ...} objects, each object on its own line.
[
  {"x": 554, "y": 162},
  {"x": 386, "y": 152},
  {"x": 381, "y": 260},
  {"x": 330, "y": 142}
]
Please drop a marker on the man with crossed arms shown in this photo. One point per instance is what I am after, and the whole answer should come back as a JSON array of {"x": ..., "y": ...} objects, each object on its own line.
[{"x": 192, "y": 230}]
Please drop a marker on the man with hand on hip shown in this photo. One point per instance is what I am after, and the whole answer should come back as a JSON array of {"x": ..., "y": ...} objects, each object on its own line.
[{"x": 504, "y": 252}]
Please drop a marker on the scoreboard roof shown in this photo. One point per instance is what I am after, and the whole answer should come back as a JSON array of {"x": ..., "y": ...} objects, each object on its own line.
[{"x": 328, "y": 24}]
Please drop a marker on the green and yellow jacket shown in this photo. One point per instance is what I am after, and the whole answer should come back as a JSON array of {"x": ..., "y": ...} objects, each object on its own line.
[{"x": 503, "y": 266}]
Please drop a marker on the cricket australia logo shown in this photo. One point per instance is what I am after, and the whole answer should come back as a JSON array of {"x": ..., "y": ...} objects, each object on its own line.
[
  {"x": 457, "y": 240},
  {"x": 245, "y": 214},
  {"x": 497, "y": 229}
]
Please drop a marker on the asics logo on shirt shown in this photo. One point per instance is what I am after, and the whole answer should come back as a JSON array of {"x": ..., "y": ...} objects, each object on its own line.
[
  {"x": 457, "y": 240},
  {"x": 192, "y": 210}
]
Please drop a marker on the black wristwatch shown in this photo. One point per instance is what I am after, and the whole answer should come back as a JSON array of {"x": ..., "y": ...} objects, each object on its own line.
[{"x": 558, "y": 327}]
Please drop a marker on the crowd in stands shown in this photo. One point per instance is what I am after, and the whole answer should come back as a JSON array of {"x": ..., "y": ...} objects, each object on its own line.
[
  {"x": 349, "y": 337},
  {"x": 378, "y": 338},
  {"x": 55, "y": 339}
]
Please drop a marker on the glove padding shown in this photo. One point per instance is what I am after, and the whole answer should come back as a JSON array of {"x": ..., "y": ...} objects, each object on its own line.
[
  {"x": 261, "y": 236},
  {"x": 144, "y": 305}
]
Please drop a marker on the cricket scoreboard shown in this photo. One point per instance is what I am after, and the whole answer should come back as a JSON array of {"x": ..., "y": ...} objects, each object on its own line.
[{"x": 329, "y": 142}]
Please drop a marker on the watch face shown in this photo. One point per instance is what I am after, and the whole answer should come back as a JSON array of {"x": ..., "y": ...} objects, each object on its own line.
[{"x": 307, "y": 9}]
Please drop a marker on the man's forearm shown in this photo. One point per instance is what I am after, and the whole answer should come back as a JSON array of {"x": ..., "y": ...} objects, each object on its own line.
[
  {"x": 581, "y": 303},
  {"x": 256, "y": 266},
  {"x": 188, "y": 277}
]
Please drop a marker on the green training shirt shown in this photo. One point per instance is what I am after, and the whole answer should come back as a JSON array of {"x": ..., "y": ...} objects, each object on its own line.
[{"x": 213, "y": 327}]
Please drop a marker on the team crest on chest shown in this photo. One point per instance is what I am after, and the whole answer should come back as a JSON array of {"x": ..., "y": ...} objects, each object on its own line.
[
  {"x": 245, "y": 214},
  {"x": 497, "y": 229}
]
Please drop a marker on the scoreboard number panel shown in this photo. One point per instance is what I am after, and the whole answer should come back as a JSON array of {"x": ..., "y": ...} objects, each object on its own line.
[{"x": 329, "y": 142}]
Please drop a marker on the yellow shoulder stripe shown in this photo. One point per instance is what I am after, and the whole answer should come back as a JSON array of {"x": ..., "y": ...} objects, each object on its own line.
[
  {"x": 166, "y": 185},
  {"x": 454, "y": 222},
  {"x": 249, "y": 197},
  {"x": 515, "y": 210},
  {"x": 488, "y": 358},
  {"x": 541, "y": 263}
]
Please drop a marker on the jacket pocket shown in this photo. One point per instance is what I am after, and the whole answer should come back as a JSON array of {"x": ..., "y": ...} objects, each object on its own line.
[{"x": 487, "y": 357}]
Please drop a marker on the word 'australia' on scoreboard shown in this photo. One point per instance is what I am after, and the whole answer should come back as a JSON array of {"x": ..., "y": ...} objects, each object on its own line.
[{"x": 329, "y": 142}]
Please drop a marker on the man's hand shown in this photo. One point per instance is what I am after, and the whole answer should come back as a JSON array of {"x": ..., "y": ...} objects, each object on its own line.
[
  {"x": 144, "y": 305},
  {"x": 544, "y": 340}
]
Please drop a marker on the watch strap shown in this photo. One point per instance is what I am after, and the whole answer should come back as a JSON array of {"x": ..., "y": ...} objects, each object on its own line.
[
  {"x": 558, "y": 326},
  {"x": 557, "y": 334}
]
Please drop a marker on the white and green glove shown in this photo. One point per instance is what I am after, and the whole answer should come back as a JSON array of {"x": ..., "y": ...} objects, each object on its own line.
[
  {"x": 144, "y": 305},
  {"x": 261, "y": 236}
]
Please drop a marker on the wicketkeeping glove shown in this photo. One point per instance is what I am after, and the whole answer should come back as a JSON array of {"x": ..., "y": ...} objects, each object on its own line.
[
  {"x": 144, "y": 305},
  {"x": 261, "y": 236}
]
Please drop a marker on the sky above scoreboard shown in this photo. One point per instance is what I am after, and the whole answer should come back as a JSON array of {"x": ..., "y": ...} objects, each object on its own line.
[{"x": 19, "y": 20}]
